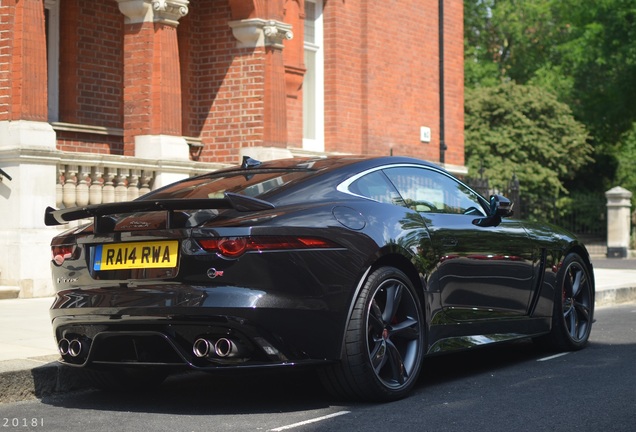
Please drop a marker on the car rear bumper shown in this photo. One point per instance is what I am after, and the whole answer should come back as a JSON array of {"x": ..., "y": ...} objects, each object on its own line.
[{"x": 195, "y": 327}]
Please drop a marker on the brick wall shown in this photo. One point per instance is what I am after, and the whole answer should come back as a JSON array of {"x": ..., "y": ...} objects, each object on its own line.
[
  {"x": 91, "y": 63},
  {"x": 6, "y": 38},
  {"x": 89, "y": 143},
  {"x": 454, "y": 81},
  {"x": 23, "y": 61},
  {"x": 382, "y": 78},
  {"x": 344, "y": 25},
  {"x": 91, "y": 73},
  {"x": 229, "y": 83}
]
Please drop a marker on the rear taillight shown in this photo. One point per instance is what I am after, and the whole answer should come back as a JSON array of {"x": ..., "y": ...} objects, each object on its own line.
[
  {"x": 62, "y": 252},
  {"x": 233, "y": 247}
]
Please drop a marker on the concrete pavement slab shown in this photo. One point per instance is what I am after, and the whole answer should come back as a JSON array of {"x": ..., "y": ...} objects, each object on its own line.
[{"x": 25, "y": 328}]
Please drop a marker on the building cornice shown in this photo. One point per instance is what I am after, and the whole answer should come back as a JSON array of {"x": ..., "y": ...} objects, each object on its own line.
[
  {"x": 162, "y": 11},
  {"x": 258, "y": 32}
]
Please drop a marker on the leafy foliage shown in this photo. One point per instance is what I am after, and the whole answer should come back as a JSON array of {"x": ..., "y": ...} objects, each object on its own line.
[
  {"x": 626, "y": 172},
  {"x": 582, "y": 52},
  {"x": 525, "y": 131}
]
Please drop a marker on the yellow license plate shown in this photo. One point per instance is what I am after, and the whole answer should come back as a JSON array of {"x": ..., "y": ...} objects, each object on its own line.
[{"x": 135, "y": 255}]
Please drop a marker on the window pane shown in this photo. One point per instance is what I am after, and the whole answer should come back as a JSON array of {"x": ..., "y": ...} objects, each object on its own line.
[
  {"x": 309, "y": 96},
  {"x": 431, "y": 191},
  {"x": 310, "y": 22},
  {"x": 377, "y": 187},
  {"x": 313, "y": 83}
]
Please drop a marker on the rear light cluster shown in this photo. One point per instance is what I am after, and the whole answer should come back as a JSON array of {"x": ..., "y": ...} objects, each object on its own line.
[
  {"x": 233, "y": 247},
  {"x": 62, "y": 252}
]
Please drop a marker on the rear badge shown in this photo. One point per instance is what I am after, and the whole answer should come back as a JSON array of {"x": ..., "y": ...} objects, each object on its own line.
[{"x": 213, "y": 273}]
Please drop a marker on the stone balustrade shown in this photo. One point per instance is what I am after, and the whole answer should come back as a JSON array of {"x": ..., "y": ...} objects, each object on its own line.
[
  {"x": 83, "y": 185},
  {"x": 82, "y": 181}
]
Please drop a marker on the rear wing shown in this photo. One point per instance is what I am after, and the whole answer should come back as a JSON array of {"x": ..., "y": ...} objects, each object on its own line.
[{"x": 230, "y": 200}]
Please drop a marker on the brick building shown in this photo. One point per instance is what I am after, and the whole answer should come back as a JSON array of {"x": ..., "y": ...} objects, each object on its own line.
[{"x": 102, "y": 99}]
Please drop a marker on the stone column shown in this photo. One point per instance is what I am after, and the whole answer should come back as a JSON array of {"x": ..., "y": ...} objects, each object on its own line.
[
  {"x": 152, "y": 83},
  {"x": 258, "y": 26},
  {"x": 27, "y": 151},
  {"x": 618, "y": 222}
]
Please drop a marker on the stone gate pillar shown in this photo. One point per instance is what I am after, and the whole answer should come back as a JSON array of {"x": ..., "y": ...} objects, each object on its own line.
[{"x": 618, "y": 222}]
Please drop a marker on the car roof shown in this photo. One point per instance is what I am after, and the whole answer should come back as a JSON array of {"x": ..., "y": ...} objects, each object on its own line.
[
  {"x": 283, "y": 181},
  {"x": 330, "y": 163}
]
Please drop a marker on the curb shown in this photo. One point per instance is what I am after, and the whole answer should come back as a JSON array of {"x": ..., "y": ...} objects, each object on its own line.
[
  {"x": 29, "y": 379},
  {"x": 9, "y": 292},
  {"x": 615, "y": 296}
]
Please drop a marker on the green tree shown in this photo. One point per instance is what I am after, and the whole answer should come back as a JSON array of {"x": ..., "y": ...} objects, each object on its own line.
[
  {"x": 583, "y": 52},
  {"x": 480, "y": 66},
  {"x": 600, "y": 57},
  {"x": 525, "y": 131},
  {"x": 508, "y": 40},
  {"x": 596, "y": 71},
  {"x": 626, "y": 172}
]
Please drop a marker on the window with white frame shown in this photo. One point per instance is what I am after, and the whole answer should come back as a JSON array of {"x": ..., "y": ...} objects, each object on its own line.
[
  {"x": 52, "y": 21},
  {"x": 313, "y": 83}
]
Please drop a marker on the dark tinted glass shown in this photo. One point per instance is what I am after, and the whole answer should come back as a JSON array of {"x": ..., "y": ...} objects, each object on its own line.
[
  {"x": 432, "y": 191},
  {"x": 252, "y": 183}
]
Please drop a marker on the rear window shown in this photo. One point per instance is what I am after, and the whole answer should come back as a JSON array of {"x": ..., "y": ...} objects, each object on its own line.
[{"x": 252, "y": 183}]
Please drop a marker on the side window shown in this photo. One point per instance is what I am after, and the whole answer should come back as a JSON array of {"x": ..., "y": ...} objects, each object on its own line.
[
  {"x": 376, "y": 186},
  {"x": 427, "y": 190}
]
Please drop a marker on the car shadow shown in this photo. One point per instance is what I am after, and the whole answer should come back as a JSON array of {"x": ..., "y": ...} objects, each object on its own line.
[
  {"x": 197, "y": 393},
  {"x": 446, "y": 368},
  {"x": 201, "y": 393}
]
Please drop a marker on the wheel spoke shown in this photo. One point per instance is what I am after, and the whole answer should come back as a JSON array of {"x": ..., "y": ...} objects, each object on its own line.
[
  {"x": 378, "y": 356},
  {"x": 573, "y": 322},
  {"x": 568, "y": 287},
  {"x": 398, "y": 372},
  {"x": 407, "y": 329},
  {"x": 375, "y": 318},
  {"x": 577, "y": 283},
  {"x": 393, "y": 299},
  {"x": 582, "y": 310}
]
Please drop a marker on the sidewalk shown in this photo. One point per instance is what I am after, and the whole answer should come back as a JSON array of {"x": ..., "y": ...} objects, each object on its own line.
[{"x": 28, "y": 352}]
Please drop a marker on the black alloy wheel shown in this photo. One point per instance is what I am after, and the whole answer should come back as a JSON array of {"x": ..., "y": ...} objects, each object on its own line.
[
  {"x": 573, "y": 306},
  {"x": 384, "y": 342}
]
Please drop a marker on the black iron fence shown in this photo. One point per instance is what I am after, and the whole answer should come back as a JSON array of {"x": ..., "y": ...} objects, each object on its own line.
[{"x": 582, "y": 214}]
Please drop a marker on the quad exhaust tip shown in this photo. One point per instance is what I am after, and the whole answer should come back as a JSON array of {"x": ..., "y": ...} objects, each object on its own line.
[
  {"x": 63, "y": 346},
  {"x": 73, "y": 347},
  {"x": 222, "y": 348}
]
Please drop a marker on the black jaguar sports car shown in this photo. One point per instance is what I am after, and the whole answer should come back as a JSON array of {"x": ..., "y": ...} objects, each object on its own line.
[{"x": 357, "y": 266}]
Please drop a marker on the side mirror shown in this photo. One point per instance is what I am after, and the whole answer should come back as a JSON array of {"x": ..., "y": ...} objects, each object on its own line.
[{"x": 500, "y": 207}]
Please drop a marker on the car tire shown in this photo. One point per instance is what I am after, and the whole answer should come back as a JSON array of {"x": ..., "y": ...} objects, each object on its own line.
[
  {"x": 384, "y": 341},
  {"x": 573, "y": 310}
]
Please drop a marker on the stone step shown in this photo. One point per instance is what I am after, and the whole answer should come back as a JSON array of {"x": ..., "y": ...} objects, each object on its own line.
[{"x": 9, "y": 292}]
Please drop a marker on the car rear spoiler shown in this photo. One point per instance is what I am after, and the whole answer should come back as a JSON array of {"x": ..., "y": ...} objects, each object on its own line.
[{"x": 231, "y": 200}]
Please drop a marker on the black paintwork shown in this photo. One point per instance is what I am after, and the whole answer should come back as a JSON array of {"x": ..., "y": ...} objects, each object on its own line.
[{"x": 481, "y": 279}]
